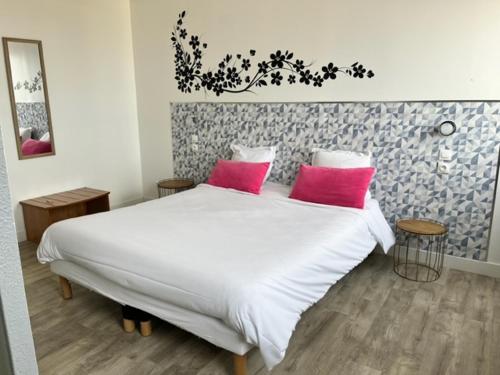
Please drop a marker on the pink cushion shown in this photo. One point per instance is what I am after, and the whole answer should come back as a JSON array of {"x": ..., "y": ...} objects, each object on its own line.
[
  {"x": 239, "y": 175},
  {"x": 333, "y": 186},
  {"x": 32, "y": 147}
]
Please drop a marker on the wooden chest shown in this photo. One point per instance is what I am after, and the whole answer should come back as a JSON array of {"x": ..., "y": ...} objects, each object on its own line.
[{"x": 40, "y": 212}]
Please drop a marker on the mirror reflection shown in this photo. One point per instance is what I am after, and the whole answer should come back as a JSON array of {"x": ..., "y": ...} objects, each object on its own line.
[{"x": 29, "y": 98}]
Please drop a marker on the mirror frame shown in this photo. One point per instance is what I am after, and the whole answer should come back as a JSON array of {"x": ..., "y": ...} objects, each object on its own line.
[{"x": 15, "y": 121}]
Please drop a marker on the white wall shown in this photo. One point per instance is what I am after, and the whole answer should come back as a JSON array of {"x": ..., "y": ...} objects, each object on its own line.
[
  {"x": 419, "y": 50},
  {"x": 5, "y": 361},
  {"x": 16, "y": 330},
  {"x": 90, "y": 78}
]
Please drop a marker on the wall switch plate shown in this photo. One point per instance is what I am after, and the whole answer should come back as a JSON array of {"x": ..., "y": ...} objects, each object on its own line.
[
  {"x": 194, "y": 138},
  {"x": 194, "y": 147},
  {"x": 445, "y": 154},
  {"x": 443, "y": 168}
]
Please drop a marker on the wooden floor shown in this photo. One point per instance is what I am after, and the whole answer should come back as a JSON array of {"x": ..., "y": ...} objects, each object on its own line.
[{"x": 372, "y": 322}]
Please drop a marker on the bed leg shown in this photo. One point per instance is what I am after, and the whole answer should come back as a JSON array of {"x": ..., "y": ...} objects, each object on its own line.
[
  {"x": 128, "y": 318},
  {"x": 128, "y": 325},
  {"x": 240, "y": 364},
  {"x": 144, "y": 323},
  {"x": 145, "y": 328},
  {"x": 67, "y": 293}
]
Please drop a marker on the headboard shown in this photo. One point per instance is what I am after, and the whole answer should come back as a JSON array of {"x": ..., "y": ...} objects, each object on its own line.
[{"x": 400, "y": 135}]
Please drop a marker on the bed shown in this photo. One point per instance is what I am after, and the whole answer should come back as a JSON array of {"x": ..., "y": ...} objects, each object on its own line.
[{"x": 234, "y": 268}]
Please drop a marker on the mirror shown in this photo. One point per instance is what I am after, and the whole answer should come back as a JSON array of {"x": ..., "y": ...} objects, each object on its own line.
[{"x": 28, "y": 97}]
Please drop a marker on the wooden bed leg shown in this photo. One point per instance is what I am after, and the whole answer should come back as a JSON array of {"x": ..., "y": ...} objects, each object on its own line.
[
  {"x": 240, "y": 364},
  {"x": 67, "y": 293},
  {"x": 144, "y": 323},
  {"x": 128, "y": 325},
  {"x": 145, "y": 328},
  {"x": 128, "y": 318}
]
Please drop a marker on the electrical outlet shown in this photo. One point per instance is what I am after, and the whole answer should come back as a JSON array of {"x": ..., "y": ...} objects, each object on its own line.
[
  {"x": 443, "y": 168},
  {"x": 194, "y": 147},
  {"x": 445, "y": 154},
  {"x": 194, "y": 138}
]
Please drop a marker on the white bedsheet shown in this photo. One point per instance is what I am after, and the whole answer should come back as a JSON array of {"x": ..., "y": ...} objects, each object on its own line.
[{"x": 255, "y": 262}]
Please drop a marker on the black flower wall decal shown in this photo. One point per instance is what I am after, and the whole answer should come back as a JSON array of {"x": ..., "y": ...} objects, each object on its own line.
[
  {"x": 35, "y": 84},
  {"x": 233, "y": 74}
]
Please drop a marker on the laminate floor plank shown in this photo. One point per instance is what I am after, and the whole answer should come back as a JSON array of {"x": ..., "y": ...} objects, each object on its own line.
[
  {"x": 372, "y": 322},
  {"x": 471, "y": 358},
  {"x": 384, "y": 337},
  {"x": 441, "y": 344},
  {"x": 492, "y": 340},
  {"x": 480, "y": 301}
]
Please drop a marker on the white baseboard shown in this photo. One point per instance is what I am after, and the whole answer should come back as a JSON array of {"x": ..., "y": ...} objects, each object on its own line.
[
  {"x": 128, "y": 203},
  {"x": 467, "y": 265},
  {"x": 21, "y": 236},
  {"x": 471, "y": 265}
]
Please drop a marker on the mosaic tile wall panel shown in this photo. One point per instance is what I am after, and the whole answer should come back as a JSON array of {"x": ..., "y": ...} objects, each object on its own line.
[
  {"x": 34, "y": 116},
  {"x": 401, "y": 136}
]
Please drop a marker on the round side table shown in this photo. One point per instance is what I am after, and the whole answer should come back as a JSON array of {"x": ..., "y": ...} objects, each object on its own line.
[
  {"x": 420, "y": 248},
  {"x": 173, "y": 185}
]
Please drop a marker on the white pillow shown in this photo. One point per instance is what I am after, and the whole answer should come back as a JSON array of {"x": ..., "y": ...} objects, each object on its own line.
[
  {"x": 341, "y": 159},
  {"x": 45, "y": 137},
  {"x": 255, "y": 155},
  {"x": 24, "y": 133},
  {"x": 275, "y": 190}
]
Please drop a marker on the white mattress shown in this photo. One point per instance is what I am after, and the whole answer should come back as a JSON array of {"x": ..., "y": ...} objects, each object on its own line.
[{"x": 253, "y": 262}]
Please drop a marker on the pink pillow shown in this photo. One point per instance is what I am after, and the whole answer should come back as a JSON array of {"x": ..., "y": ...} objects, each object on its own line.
[
  {"x": 239, "y": 175},
  {"x": 32, "y": 147},
  {"x": 333, "y": 186}
]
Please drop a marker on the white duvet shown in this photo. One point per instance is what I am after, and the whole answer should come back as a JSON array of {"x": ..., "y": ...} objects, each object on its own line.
[{"x": 255, "y": 262}]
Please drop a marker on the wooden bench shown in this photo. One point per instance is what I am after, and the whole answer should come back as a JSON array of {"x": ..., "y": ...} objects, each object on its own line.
[{"x": 40, "y": 212}]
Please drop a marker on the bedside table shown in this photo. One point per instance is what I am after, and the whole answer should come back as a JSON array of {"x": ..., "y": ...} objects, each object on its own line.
[
  {"x": 173, "y": 185},
  {"x": 420, "y": 248}
]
